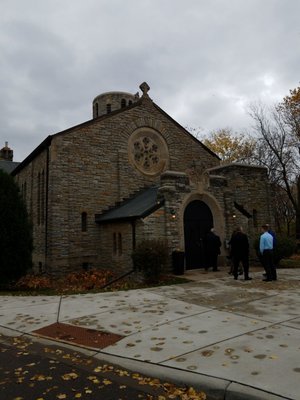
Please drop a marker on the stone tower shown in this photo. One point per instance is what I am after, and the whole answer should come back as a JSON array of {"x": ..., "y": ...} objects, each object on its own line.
[
  {"x": 6, "y": 153},
  {"x": 107, "y": 102}
]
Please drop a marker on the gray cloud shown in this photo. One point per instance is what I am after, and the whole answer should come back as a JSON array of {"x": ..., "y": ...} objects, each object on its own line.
[{"x": 205, "y": 61}]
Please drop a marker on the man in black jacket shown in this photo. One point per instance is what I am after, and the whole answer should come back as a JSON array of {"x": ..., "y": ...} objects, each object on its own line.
[{"x": 240, "y": 252}]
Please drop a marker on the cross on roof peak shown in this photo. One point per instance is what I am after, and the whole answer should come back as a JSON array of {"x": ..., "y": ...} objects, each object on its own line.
[{"x": 144, "y": 88}]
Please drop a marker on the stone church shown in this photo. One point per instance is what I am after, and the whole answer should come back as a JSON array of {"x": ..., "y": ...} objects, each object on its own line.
[{"x": 95, "y": 190}]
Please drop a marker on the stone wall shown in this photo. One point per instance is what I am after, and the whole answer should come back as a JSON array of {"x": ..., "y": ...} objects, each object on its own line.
[
  {"x": 96, "y": 165},
  {"x": 91, "y": 169},
  {"x": 247, "y": 191},
  {"x": 33, "y": 185}
]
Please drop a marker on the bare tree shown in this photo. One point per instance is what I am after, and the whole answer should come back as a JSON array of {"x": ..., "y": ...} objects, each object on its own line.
[{"x": 277, "y": 150}]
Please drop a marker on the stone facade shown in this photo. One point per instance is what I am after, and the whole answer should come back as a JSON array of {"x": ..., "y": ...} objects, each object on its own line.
[{"x": 94, "y": 167}]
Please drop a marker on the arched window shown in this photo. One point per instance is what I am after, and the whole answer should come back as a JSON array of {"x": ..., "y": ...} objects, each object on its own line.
[
  {"x": 108, "y": 108},
  {"x": 123, "y": 103},
  {"x": 83, "y": 222},
  {"x": 129, "y": 102}
]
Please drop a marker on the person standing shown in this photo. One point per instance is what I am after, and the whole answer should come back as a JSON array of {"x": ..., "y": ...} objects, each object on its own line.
[
  {"x": 240, "y": 268},
  {"x": 240, "y": 252},
  {"x": 212, "y": 247},
  {"x": 266, "y": 245},
  {"x": 271, "y": 232}
]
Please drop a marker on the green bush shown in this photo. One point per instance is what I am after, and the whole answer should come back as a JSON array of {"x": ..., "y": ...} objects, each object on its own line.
[
  {"x": 15, "y": 232},
  {"x": 284, "y": 248},
  {"x": 150, "y": 257}
]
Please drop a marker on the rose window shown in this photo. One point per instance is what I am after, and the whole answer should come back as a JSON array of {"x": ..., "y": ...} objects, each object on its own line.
[{"x": 148, "y": 152}]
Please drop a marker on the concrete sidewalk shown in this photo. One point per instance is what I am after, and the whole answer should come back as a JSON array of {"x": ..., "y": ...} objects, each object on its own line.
[{"x": 232, "y": 339}]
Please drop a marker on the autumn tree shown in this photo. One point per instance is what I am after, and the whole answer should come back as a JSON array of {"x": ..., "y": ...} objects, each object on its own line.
[
  {"x": 15, "y": 232},
  {"x": 230, "y": 146},
  {"x": 290, "y": 109}
]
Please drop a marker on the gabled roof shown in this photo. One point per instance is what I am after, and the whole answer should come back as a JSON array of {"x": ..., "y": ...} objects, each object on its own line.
[
  {"x": 140, "y": 206},
  {"x": 186, "y": 131},
  {"x": 47, "y": 142}
]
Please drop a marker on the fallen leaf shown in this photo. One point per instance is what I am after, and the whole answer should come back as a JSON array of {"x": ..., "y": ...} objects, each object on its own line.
[{"x": 68, "y": 377}]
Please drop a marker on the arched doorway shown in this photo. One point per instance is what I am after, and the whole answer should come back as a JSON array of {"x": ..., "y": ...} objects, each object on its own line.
[{"x": 198, "y": 220}]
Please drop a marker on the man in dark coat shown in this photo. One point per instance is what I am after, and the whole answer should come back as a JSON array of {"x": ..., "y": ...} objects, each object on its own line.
[
  {"x": 212, "y": 249},
  {"x": 240, "y": 252}
]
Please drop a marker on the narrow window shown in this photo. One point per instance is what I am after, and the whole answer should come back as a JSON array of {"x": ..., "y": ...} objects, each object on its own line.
[
  {"x": 114, "y": 243},
  {"x": 25, "y": 191},
  {"x": 39, "y": 199},
  {"x": 129, "y": 102},
  {"x": 120, "y": 246},
  {"x": 83, "y": 222},
  {"x": 96, "y": 110},
  {"x": 108, "y": 108},
  {"x": 123, "y": 103},
  {"x": 43, "y": 197}
]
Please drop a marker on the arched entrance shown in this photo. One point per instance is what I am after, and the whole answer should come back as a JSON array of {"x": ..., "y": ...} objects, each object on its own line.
[{"x": 198, "y": 220}]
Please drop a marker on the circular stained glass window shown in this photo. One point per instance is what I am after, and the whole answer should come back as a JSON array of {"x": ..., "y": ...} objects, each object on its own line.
[{"x": 148, "y": 151}]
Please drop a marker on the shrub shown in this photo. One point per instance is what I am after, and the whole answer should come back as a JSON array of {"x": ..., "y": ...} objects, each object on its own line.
[
  {"x": 87, "y": 280},
  {"x": 285, "y": 247},
  {"x": 15, "y": 232},
  {"x": 150, "y": 257},
  {"x": 36, "y": 282},
  {"x": 74, "y": 281}
]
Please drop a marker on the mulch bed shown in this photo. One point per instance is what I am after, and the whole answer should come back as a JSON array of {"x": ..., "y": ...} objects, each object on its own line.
[{"x": 82, "y": 336}]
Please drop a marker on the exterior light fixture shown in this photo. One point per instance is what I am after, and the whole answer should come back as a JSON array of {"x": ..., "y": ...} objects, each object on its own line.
[{"x": 173, "y": 213}]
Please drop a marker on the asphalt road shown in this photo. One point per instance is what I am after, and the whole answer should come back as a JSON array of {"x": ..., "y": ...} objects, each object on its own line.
[{"x": 32, "y": 371}]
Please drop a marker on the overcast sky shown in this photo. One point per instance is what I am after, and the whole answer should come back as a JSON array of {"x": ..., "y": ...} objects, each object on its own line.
[{"x": 205, "y": 60}]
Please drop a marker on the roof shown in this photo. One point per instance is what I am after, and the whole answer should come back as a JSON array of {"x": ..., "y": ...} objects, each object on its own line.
[
  {"x": 140, "y": 206},
  {"x": 47, "y": 142},
  {"x": 44, "y": 145},
  {"x": 8, "y": 166}
]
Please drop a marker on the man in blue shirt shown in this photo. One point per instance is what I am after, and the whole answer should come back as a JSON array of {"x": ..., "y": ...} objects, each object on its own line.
[{"x": 266, "y": 244}]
